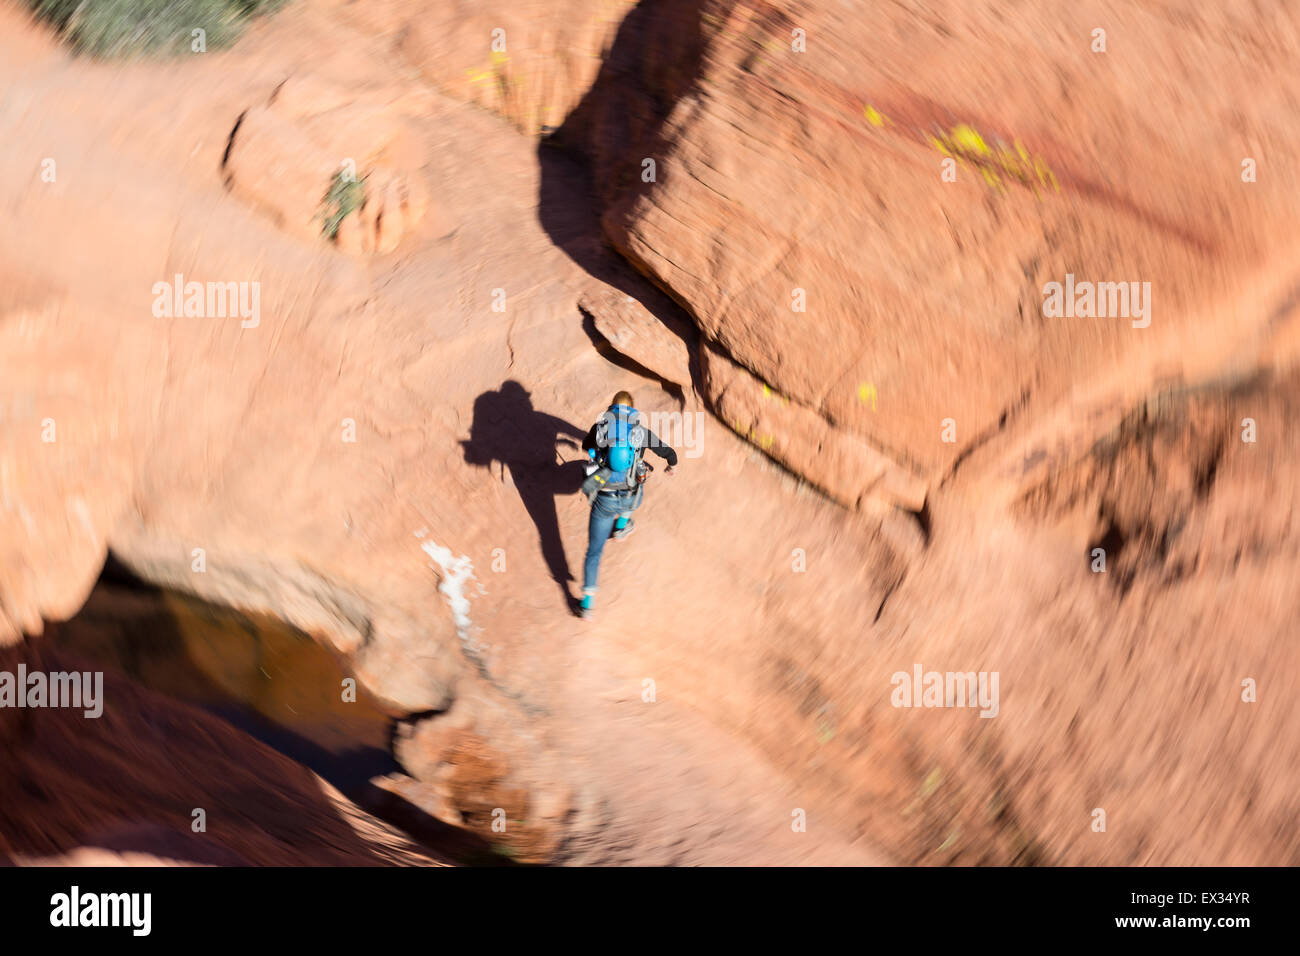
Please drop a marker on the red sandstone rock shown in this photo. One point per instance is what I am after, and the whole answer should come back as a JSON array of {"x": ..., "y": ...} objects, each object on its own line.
[
  {"x": 787, "y": 613},
  {"x": 800, "y": 213},
  {"x": 284, "y": 156},
  {"x": 638, "y": 334}
]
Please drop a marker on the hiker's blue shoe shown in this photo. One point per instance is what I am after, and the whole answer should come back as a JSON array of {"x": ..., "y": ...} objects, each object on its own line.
[
  {"x": 585, "y": 608},
  {"x": 626, "y": 530}
]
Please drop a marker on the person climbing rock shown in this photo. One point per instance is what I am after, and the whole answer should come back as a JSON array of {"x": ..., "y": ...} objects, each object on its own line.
[{"x": 616, "y": 446}]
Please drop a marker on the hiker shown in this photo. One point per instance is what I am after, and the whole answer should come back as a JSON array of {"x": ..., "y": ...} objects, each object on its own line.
[{"x": 616, "y": 483}]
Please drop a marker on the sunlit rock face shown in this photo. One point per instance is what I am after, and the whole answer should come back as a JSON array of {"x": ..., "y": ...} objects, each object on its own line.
[
  {"x": 863, "y": 212},
  {"x": 871, "y": 254}
]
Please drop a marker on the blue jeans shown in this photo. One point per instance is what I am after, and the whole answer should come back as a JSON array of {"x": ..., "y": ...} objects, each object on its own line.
[{"x": 608, "y": 507}]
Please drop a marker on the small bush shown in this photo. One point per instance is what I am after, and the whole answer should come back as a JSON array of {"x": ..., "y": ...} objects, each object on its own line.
[
  {"x": 344, "y": 196},
  {"x": 132, "y": 28}
]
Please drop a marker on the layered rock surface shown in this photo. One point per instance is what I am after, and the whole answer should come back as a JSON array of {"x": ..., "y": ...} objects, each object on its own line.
[
  {"x": 394, "y": 423},
  {"x": 800, "y": 209}
]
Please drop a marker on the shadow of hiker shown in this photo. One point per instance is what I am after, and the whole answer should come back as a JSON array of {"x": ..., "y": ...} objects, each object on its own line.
[{"x": 507, "y": 430}]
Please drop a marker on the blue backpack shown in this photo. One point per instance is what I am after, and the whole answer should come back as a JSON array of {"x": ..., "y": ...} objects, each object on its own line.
[{"x": 620, "y": 442}]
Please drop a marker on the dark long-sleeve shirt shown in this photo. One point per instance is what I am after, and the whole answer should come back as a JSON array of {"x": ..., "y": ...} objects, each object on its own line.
[{"x": 653, "y": 443}]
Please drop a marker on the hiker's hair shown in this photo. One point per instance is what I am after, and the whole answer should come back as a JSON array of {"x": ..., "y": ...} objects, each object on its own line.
[{"x": 624, "y": 398}]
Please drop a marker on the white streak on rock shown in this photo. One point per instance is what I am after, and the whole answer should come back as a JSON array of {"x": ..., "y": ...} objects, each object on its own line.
[{"x": 456, "y": 572}]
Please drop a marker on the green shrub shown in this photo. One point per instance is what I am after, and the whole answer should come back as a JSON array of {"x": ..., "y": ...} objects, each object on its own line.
[
  {"x": 345, "y": 195},
  {"x": 131, "y": 28}
]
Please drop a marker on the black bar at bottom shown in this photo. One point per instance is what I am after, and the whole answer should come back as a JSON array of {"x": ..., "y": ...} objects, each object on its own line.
[{"x": 334, "y": 906}]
